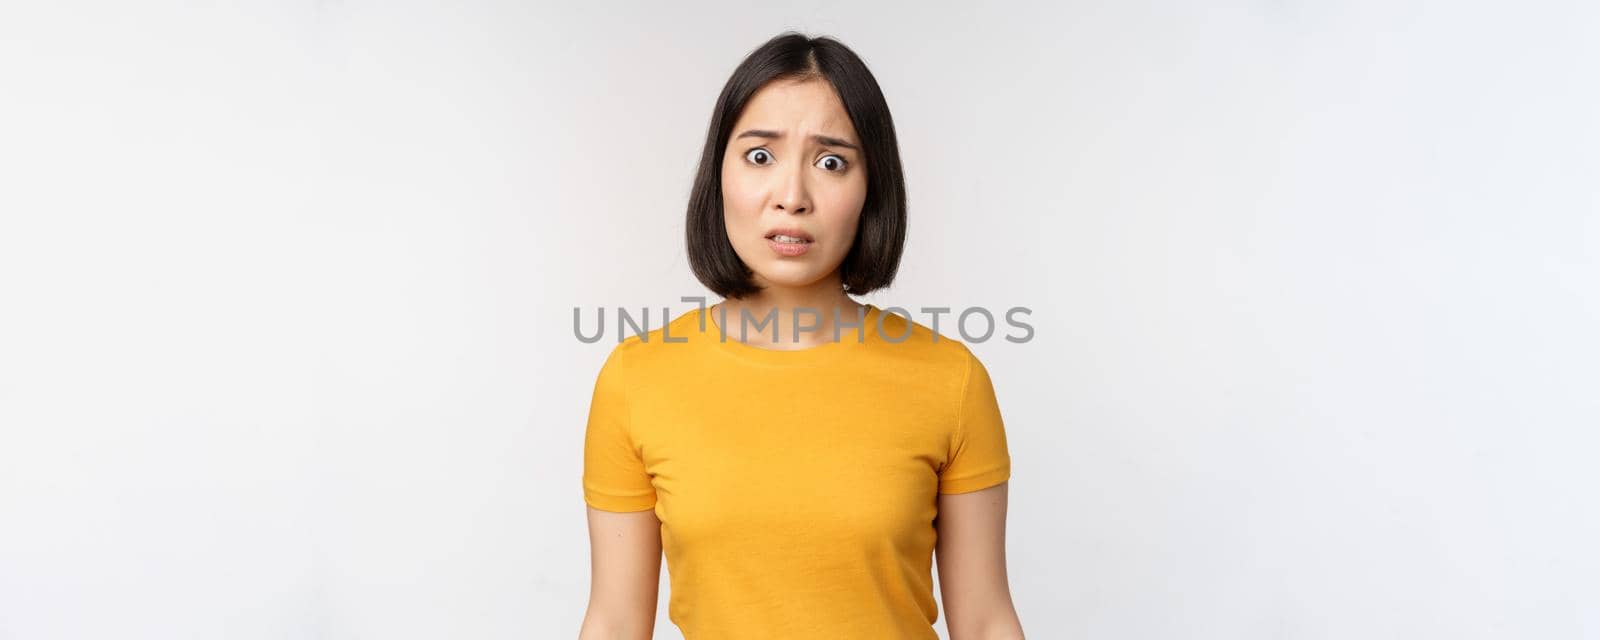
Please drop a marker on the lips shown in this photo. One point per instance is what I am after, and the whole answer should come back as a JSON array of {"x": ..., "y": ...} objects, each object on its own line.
[{"x": 791, "y": 232}]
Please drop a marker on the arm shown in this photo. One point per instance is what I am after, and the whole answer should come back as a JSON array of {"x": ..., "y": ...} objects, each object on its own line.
[
  {"x": 972, "y": 566},
  {"x": 624, "y": 569}
]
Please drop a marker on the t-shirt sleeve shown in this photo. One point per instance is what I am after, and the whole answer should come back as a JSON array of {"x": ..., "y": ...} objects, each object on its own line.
[
  {"x": 614, "y": 476},
  {"x": 979, "y": 458}
]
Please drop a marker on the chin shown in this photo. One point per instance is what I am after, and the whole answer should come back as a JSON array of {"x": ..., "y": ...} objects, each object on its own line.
[
  {"x": 788, "y": 279},
  {"x": 786, "y": 282}
]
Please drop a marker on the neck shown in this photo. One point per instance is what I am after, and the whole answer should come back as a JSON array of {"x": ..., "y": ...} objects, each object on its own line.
[{"x": 818, "y": 302}]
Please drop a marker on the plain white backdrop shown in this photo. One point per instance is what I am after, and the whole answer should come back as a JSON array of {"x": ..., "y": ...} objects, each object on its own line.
[{"x": 286, "y": 297}]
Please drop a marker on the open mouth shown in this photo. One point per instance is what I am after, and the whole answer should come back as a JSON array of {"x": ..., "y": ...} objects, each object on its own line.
[
  {"x": 789, "y": 235},
  {"x": 789, "y": 243}
]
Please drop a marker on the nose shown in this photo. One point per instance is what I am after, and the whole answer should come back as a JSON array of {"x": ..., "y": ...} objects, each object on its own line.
[{"x": 792, "y": 194}]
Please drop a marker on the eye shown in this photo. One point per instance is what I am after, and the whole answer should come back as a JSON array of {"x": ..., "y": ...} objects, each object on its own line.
[
  {"x": 836, "y": 165},
  {"x": 758, "y": 156}
]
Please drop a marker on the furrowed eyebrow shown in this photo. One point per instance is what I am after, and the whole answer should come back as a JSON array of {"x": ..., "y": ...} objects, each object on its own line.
[{"x": 829, "y": 141}]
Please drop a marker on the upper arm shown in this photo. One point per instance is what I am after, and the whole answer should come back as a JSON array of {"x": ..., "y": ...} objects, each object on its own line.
[
  {"x": 624, "y": 533},
  {"x": 624, "y": 571},
  {"x": 971, "y": 552},
  {"x": 971, "y": 521}
]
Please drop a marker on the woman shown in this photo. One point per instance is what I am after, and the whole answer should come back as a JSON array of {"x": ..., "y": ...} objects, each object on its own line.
[{"x": 798, "y": 483}]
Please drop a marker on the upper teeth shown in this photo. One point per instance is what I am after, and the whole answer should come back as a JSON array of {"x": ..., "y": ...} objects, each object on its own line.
[{"x": 784, "y": 238}]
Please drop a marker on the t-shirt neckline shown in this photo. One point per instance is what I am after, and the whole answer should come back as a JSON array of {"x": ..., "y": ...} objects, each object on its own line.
[{"x": 850, "y": 339}]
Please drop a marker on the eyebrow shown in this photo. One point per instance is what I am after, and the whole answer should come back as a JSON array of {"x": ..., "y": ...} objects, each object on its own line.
[{"x": 773, "y": 135}]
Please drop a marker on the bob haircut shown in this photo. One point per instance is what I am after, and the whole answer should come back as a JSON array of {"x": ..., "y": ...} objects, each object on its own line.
[{"x": 880, "y": 236}]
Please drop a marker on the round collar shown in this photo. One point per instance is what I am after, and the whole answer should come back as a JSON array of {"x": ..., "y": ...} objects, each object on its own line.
[{"x": 850, "y": 339}]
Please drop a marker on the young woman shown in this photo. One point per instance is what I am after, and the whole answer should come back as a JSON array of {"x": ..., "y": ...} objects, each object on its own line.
[{"x": 798, "y": 470}]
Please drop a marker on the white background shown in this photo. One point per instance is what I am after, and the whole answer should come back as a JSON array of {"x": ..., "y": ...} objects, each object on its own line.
[{"x": 286, "y": 299}]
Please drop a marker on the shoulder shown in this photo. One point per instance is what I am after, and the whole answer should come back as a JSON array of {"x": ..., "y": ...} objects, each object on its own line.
[
  {"x": 638, "y": 350},
  {"x": 913, "y": 339},
  {"x": 942, "y": 364}
]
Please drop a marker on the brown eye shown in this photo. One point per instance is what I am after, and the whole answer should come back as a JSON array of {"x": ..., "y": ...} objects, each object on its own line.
[
  {"x": 833, "y": 163},
  {"x": 758, "y": 156}
]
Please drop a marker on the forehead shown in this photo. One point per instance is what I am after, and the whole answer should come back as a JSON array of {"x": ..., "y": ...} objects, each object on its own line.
[{"x": 807, "y": 106}]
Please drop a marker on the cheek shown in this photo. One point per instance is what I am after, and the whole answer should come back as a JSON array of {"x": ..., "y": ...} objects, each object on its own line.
[
  {"x": 738, "y": 195},
  {"x": 848, "y": 202},
  {"x": 850, "y": 193}
]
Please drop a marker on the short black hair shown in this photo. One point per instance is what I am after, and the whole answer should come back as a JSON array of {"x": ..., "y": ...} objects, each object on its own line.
[{"x": 874, "y": 256}]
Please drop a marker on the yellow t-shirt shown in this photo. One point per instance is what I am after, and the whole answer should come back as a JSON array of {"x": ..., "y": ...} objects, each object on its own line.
[{"x": 796, "y": 490}]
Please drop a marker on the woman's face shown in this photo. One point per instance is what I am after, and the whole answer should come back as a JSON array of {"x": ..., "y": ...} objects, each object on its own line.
[{"x": 793, "y": 162}]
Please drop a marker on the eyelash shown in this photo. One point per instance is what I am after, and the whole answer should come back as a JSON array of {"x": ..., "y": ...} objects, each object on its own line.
[{"x": 843, "y": 164}]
